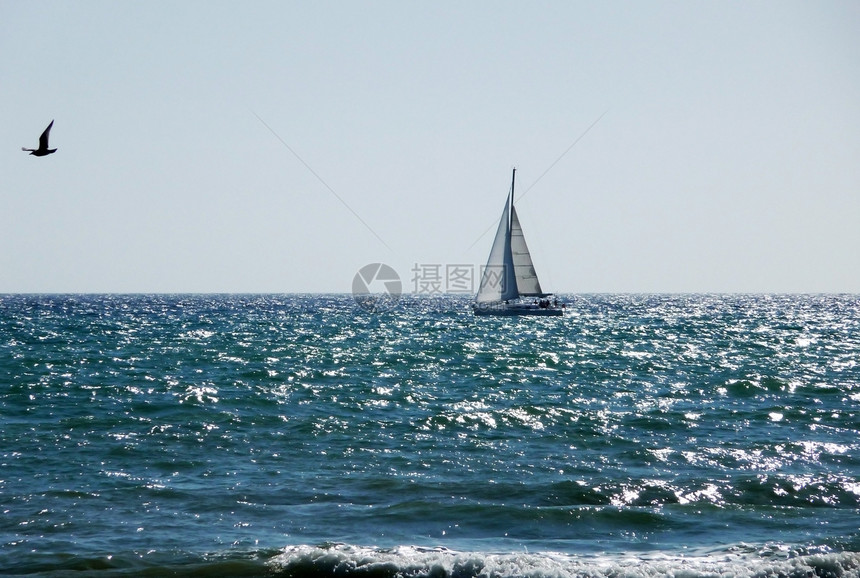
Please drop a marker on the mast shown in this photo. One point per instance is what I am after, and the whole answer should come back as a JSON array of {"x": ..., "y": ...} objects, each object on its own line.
[
  {"x": 513, "y": 180},
  {"x": 510, "y": 269}
]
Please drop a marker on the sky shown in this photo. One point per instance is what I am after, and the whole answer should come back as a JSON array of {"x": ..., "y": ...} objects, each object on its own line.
[{"x": 279, "y": 147}]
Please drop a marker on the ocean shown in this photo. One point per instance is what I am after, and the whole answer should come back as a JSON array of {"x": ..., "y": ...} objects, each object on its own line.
[{"x": 303, "y": 435}]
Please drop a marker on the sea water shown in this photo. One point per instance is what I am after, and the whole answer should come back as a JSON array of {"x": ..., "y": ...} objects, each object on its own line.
[{"x": 293, "y": 435}]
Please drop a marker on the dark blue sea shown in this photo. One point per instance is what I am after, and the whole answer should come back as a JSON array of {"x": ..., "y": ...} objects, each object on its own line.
[{"x": 301, "y": 435}]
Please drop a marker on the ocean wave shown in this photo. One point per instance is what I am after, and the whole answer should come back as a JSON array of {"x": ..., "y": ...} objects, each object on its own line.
[
  {"x": 344, "y": 560},
  {"x": 414, "y": 562}
]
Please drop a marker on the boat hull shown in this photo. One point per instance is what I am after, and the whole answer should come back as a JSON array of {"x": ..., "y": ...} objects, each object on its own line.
[{"x": 516, "y": 309}]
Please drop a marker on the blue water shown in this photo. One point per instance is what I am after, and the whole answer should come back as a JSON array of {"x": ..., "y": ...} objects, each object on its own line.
[{"x": 294, "y": 435}]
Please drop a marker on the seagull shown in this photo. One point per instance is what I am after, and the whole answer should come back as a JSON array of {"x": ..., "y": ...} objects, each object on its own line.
[{"x": 43, "y": 144}]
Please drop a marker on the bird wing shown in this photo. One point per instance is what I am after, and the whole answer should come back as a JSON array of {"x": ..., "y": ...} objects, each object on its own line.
[{"x": 43, "y": 140}]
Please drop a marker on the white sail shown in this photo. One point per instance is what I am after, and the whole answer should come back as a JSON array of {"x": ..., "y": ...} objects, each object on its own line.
[
  {"x": 498, "y": 281},
  {"x": 527, "y": 281}
]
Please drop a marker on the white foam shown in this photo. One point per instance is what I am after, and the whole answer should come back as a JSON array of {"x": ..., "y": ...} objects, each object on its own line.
[{"x": 415, "y": 562}]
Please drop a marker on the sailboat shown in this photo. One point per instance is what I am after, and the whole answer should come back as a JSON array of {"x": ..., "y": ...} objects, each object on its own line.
[{"x": 509, "y": 283}]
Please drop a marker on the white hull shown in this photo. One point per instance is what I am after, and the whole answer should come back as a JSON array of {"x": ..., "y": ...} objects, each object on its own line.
[{"x": 514, "y": 309}]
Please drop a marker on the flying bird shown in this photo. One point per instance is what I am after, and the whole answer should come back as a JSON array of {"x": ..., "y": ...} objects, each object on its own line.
[{"x": 43, "y": 144}]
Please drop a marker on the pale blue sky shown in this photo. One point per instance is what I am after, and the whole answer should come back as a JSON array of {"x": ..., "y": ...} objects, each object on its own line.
[{"x": 728, "y": 160}]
